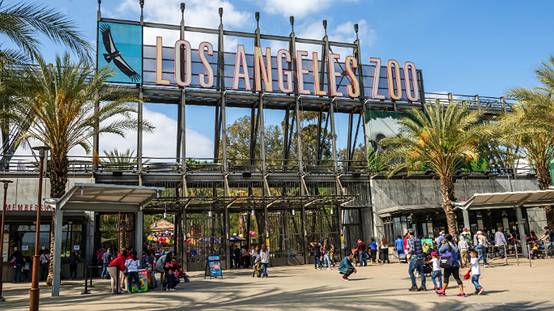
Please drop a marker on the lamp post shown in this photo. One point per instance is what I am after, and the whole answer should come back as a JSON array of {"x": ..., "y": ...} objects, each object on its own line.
[
  {"x": 34, "y": 291},
  {"x": 6, "y": 183}
]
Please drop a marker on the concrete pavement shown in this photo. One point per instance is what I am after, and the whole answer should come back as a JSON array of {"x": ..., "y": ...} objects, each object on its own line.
[{"x": 379, "y": 287}]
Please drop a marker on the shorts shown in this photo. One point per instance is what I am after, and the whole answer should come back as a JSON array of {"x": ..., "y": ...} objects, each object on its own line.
[{"x": 455, "y": 272}]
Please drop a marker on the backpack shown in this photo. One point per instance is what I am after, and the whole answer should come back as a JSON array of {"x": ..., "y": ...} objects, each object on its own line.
[{"x": 447, "y": 258}]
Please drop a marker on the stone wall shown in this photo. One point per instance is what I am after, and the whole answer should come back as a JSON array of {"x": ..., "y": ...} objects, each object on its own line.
[{"x": 388, "y": 193}]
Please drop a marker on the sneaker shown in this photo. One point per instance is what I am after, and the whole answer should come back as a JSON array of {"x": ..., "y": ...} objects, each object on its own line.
[
  {"x": 422, "y": 289},
  {"x": 412, "y": 289},
  {"x": 461, "y": 295},
  {"x": 441, "y": 293},
  {"x": 481, "y": 290},
  {"x": 345, "y": 279}
]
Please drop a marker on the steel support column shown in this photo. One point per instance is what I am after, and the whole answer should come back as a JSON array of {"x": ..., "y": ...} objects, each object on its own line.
[{"x": 140, "y": 121}]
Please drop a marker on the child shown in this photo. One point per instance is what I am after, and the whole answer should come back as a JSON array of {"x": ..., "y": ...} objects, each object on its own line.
[
  {"x": 436, "y": 274},
  {"x": 475, "y": 272}
]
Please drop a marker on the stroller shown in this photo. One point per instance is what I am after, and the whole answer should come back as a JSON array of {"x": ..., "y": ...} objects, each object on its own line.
[{"x": 257, "y": 269}]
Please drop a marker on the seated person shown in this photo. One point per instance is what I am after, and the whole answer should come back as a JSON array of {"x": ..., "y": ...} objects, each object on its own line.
[{"x": 346, "y": 268}]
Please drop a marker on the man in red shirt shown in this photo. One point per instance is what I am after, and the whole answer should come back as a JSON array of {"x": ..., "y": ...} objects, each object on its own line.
[{"x": 117, "y": 264}]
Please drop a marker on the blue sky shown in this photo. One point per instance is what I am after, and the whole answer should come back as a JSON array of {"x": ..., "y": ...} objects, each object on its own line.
[{"x": 466, "y": 47}]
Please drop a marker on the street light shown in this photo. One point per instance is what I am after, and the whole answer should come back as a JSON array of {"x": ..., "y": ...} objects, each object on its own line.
[
  {"x": 6, "y": 183},
  {"x": 34, "y": 291}
]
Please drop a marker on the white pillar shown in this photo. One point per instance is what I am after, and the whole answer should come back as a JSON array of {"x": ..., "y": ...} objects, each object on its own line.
[
  {"x": 139, "y": 232},
  {"x": 465, "y": 214},
  {"x": 58, "y": 225},
  {"x": 521, "y": 229}
]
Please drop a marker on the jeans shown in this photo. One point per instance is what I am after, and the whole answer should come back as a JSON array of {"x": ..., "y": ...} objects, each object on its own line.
[
  {"x": 104, "y": 272},
  {"x": 436, "y": 277},
  {"x": 16, "y": 277},
  {"x": 264, "y": 269},
  {"x": 43, "y": 271},
  {"x": 482, "y": 251},
  {"x": 348, "y": 272},
  {"x": 132, "y": 278},
  {"x": 416, "y": 264},
  {"x": 475, "y": 281},
  {"x": 363, "y": 259},
  {"x": 317, "y": 262},
  {"x": 327, "y": 260}
]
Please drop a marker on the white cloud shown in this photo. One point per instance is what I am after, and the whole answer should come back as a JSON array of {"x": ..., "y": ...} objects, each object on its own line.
[
  {"x": 198, "y": 13},
  {"x": 298, "y": 8},
  {"x": 161, "y": 142}
]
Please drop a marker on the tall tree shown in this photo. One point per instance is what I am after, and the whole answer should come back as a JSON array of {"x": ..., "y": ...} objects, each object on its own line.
[
  {"x": 21, "y": 24},
  {"x": 57, "y": 105},
  {"x": 530, "y": 125},
  {"x": 441, "y": 138}
]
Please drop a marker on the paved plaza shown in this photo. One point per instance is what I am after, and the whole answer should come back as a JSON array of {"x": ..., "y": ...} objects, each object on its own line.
[{"x": 380, "y": 287}]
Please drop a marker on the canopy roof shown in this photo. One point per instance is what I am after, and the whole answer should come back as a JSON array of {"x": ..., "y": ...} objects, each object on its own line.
[
  {"x": 162, "y": 225},
  {"x": 105, "y": 198},
  {"x": 508, "y": 199}
]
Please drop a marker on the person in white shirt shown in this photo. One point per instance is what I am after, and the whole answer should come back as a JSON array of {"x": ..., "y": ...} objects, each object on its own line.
[
  {"x": 132, "y": 265},
  {"x": 264, "y": 257},
  {"x": 463, "y": 247},
  {"x": 436, "y": 274},
  {"x": 500, "y": 242},
  {"x": 475, "y": 271}
]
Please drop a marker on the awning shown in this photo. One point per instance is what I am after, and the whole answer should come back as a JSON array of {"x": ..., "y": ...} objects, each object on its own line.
[
  {"x": 105, "y": 198},
  {"x": 508, "y": 199},
  {"x": 400, "y": 209}
]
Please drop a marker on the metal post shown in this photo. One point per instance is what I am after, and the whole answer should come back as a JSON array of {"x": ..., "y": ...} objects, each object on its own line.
[
  {"x": 465, "y": 214},
  {"x": 521, "y": 229},
  {"x": 139, "y": 134},
  {"x": 34, "y": 291},
  {"x": 58, "y": 225},
  {"x": 4, "y": 206},
  {"x": 297, "y": 103},
  {"x": 139, "y": 227}
]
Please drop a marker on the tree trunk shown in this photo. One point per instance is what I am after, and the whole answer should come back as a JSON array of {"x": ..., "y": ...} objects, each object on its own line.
[
  {"x": 544, "y": 180},
  {"x": 447, "y": 192},
  {"x": 58, "y": 167}
]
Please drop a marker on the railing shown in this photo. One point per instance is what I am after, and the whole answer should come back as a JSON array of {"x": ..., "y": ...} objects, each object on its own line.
[
  {"x": 28, "y": 164},
  {"x": 488, "y": 103}
]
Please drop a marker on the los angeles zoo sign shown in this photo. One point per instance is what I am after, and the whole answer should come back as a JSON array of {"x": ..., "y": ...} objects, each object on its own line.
[{"x": 120, "y": 48}]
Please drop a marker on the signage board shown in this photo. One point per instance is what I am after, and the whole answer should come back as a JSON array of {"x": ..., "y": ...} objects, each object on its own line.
[
  {"x": 179, "y": 64},
  {"x": 213, "y": 267}
]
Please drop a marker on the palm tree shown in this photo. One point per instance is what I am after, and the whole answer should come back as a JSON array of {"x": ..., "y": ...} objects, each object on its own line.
[
  {"x": 117, "y": 160},
  {"x": 57, "y": 105},
  {"x": 440, "y": 138},
  {"x": 23, "y": 22},
  {"x": 530, "y": 126}
]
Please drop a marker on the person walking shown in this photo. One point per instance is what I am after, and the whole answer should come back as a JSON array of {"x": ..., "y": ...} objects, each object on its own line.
[
  {"x": 466, "y": 236},
  {"x": 463, "y": 247},
  {"x": 346, "y": 268},
  {"x": 500, "y": 242},
  {"x": 16, "y": 262},
  {"x": 132, "y": 265},
  {"x": 106, "y": 258},
  {"x": 436, "y": 274},
  {"x": 416, "y": 261},
  {"x": 384, "y": 251},
  {"x": 44, "y": 260},
  {"x": 264, "y": 256},
  {"x": 475, "y": 271},
  {"x": 399, "y": 247},
  {"x": 73, "y": 265},
  {"x": 316, "y": 247},
  {"x": 450, "y": 262},
  {"x": 373, "y": 250},
  {"x": 481, "y": 244},
  {"x": 361, "y": 249},
  {"x": 114, "y": 267}
]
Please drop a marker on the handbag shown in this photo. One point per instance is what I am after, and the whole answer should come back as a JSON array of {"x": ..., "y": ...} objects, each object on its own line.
[
  {"x": 446, "y": 259},
  {"x": 467, "y": 275}
]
